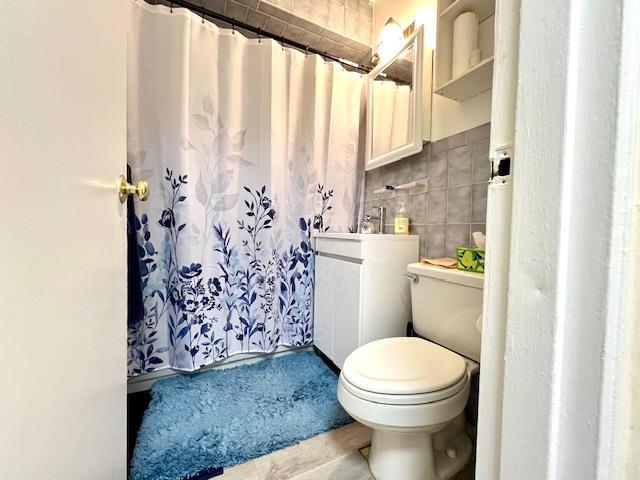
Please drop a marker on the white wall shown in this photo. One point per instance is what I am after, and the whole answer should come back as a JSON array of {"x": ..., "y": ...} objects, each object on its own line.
[
  {"x": 449, "y": 117},
  {"x": 575, "y": 149}
]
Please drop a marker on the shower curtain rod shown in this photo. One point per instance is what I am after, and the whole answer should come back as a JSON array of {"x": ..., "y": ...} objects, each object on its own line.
[{"x": 201, "y": 10}]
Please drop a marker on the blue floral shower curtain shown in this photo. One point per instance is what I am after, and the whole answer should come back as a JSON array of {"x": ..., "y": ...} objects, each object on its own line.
[{"x": 249, "y": 149}]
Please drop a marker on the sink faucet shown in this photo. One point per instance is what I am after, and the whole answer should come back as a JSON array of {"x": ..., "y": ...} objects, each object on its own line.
[{"x": 382, "y": 213}]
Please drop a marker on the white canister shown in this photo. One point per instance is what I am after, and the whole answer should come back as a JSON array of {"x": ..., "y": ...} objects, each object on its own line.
[{"x": 465, "y": 41}]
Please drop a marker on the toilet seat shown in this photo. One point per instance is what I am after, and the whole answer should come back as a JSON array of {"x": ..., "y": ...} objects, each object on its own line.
[
  {"x": 399, "y": 399},
  {"x": 404, "y": 371},
  {"x": 417, "y": 411}
]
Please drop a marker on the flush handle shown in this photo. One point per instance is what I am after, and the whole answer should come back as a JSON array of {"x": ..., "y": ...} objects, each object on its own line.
[
  {"x": 140, "y": 189},
  {"x": 413, "y": 277}
]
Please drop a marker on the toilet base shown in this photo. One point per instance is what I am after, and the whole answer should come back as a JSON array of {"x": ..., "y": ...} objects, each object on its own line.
[
  {"x": 401, "y": 456},
  {"x": 419, "y": 455}
]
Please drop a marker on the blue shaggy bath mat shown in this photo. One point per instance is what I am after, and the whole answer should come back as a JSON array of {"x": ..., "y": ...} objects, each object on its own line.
[{"x": 197, "y": 423}]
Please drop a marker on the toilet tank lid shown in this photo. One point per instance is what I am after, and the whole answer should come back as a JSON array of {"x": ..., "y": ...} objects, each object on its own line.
[{"x": 470, "y": 279}]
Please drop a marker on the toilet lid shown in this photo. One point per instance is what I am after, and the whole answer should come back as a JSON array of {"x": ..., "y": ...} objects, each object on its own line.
[{"x": 404, "y": 366}]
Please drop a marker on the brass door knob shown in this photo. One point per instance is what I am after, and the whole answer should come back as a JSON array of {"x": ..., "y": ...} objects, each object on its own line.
[{"x": 139, "y": 189}]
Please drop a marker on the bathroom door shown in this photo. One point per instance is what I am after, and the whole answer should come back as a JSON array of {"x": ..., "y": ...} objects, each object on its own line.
[{"x": 62, "y": 240}]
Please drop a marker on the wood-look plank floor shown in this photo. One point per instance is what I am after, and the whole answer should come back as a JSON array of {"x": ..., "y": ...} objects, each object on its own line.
[{"x": 331, "y": 455}]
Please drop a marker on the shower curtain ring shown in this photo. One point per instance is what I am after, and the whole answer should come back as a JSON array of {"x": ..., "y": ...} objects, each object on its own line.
[
  {"x": 306, "y": 51},
  {"x": 202, "y": 11},
  {"x": 171, "y": 8},
  {"x": 282, "y": 42},
  {"x": 259, "y": 37},
  {"x": 233, "y": 25}
]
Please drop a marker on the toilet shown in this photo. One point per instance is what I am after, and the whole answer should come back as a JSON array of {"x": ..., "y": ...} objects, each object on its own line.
[{"x": 412, "y": 391}]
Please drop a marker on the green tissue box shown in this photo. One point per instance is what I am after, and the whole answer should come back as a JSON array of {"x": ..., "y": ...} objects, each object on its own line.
[{"x": 470, "y": 259}]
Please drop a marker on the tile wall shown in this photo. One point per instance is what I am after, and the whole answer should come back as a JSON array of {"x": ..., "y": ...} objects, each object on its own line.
[
  {"x": 351, "y": 18},
  {"x": 342, "y": 28},
  {"x": 454, "y": 202}
]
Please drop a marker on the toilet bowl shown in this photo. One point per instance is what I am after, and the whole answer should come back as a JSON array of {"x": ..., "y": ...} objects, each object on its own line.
[
  {"x": 407, "y": 403},
  {"x": 412, "y": 391}
]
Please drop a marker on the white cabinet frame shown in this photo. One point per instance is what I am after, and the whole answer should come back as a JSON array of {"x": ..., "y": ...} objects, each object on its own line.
[{"x": 417, "y": 40}]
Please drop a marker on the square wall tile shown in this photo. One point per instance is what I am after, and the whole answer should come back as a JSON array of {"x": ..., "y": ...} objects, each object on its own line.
[
  {"x": 275, "y": 26},
  {"x": 404, "y": 170},
  {"x": 457, "y": 236},
  {"x": 217, "y": 6},
  {"x": 418, "y": 209},
  {"x": 422, "y": 231},
  {"x": 366, "y": 209},
  {"x": 368, "y": 191},
  {"x": 293, "y": 33},
  {"x": 275, "y": 11},
  {"x": 327, "y": 45},
  {"x": 374, "y": 178},
  {"x": 460, "y": 165},
  {"x": 479, "y": 202},
  {"x": 437, "y": 206},
  {"x": 311, "y": 39},
  {"x": 320, "y": 12},
  {"x": 351, "y": 20},
  {"x": 302, "y": 8},
  {"x": 437, "y": 170},
  {"x": 256, "y": 19},
  {"x": 285, "y": 4},
  {"x": 389, "y": 174},
  {"x": 249, "y": 3},
  {"x": 481, "y": 164},
  {"x": 478, "y": 133},
  {"x": 435, "y": 241},
  {"x": 459, "y": 204},
  {"x": 365, "y": 8},
  {"x": 364, "y": 29},
  {"x": 448, "y": 143},
  {"x": 419, "y": 165},
  {"x": 336, "y": 17},
  {"x": 237, "y": 11}
]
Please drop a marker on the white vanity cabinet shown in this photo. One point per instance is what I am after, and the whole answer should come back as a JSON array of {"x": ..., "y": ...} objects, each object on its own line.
[{"x": 361, "y": 292}]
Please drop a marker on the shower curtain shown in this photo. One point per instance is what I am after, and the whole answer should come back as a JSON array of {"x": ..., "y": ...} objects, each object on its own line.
[{"x": 249, "y": 149}]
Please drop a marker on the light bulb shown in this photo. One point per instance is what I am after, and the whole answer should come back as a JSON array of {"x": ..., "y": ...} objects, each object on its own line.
[{"x": 390, "y": 40}]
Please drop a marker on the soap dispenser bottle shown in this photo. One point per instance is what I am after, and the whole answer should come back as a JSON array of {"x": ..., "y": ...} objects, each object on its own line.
[{"x": 401, "y": 221}]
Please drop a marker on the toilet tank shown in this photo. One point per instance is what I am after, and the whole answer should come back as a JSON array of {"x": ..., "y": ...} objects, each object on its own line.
[{"x": 446, "y": 306}]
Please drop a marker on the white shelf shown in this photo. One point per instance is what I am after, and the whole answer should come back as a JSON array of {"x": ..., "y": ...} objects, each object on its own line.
[
  {"x": 474, "y": 81},
  {"x": 482, "y": 8},
  {"x": 408, "y": 186},
  {"x": 405, "y": 186}
]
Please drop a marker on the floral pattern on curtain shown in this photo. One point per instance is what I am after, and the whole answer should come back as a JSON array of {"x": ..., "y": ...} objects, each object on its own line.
[{"x": 249, "y": 149}]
